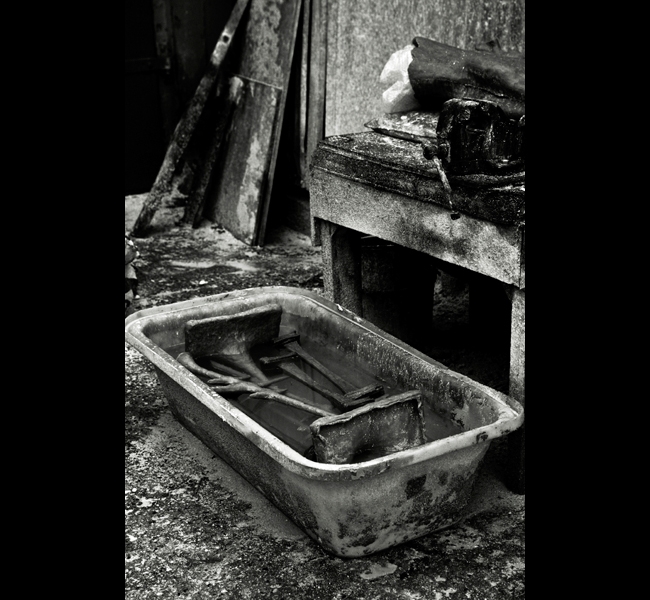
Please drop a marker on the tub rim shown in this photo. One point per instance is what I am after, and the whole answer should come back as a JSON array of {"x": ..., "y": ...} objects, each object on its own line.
[{"x": 510, "y": 412}]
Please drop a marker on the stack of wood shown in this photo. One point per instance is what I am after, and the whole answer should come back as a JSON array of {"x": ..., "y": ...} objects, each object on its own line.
[{"x": 231, "y": 129}]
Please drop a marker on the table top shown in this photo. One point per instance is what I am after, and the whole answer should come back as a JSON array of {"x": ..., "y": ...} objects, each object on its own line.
[{"x": 398, "y": 165}]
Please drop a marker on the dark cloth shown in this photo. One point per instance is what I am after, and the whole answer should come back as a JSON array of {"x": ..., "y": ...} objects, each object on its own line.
[{"x": 439, "y": 72}]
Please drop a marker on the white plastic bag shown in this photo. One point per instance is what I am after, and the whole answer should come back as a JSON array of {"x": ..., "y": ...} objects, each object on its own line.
[{"x": 399, "y": 96}]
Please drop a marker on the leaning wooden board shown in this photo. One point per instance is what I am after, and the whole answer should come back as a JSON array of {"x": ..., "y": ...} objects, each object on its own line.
[
  {"x": 186, "y": 126},
  {"x": 240, "y": 199}
]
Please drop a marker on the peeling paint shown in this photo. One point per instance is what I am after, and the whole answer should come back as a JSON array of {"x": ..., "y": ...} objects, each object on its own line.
[
  {"x": 236, "y": 89},
  {"x": 251, "y": 185}
]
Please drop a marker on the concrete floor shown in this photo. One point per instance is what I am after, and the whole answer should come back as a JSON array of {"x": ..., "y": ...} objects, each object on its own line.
[{"x": 196, "y": 529}]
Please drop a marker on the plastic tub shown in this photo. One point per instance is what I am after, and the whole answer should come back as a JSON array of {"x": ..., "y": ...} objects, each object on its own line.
[{"x": 352, "y": 509}]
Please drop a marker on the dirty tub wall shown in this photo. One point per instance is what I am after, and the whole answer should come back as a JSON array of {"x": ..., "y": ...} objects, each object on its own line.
[{"x": 350, "y": 510}]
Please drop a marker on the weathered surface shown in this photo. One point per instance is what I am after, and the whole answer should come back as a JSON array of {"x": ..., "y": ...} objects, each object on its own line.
[
  {"x": 240, "y": 201},
  {"x": 398, "y": 165},
  {"x": 247, "y": 165},
  {"x": 415, "y": 125},
  {"x": 230, "y": 334},
  {"x": 342, "y": 247},
  {"x": 474, "y": 244},
  {"x": 377, "y": 429},
  {"x": 518, "y": 345},
  {"x": 517, "y": 389},
  {"x": 228, "y": 96},
  {"x": 229, "y": 338},
  {"x": 362, "y": 35}
]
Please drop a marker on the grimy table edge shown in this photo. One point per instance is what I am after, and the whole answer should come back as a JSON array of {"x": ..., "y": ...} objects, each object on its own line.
[
  {"x": 344, "y": 190},
  {"x": 399, "y": 166}
]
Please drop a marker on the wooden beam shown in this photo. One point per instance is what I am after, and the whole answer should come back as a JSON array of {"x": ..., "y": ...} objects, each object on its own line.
[
  {"x": 302, "y": 95},
  {"x": 316, "y": 89}
]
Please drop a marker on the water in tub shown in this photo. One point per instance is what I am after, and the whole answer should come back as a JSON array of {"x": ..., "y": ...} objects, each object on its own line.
[{"x": 290, "y": 424}]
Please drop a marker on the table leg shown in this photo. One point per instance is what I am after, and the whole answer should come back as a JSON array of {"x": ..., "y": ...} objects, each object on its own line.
[
  {"x": 516, "y": 442},
  {"x": 341, "y": 255}
]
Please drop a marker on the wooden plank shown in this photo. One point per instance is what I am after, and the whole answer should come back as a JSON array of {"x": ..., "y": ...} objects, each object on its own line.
[
  {"x": 302, "y": 95},
  {"x": 241, "y": 199},
  {"x": 246, "y": 170},
  {"x": 316, "y": 85},
  {"x": 226, "y": 102},
  {"x": 187, "y": 124}
]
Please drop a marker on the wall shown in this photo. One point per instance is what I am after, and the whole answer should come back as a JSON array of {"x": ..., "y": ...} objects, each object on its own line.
[{"x": 167, "y": 45}]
